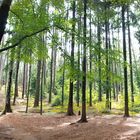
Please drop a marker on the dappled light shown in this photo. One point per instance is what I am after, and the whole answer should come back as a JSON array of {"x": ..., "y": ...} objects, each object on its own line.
[{"x": 69, "y": 70}]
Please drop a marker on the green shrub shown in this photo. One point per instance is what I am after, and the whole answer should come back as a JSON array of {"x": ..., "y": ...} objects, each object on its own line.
[
  {"x": 56, "y": 101},
  {"x": 100, "y": 107}
]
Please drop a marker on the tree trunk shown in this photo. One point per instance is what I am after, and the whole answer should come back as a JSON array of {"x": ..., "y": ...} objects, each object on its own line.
[
  {"x": 130, "y": 58},
  {"x": 28, "y": 92},
  {"x": 107, "y": 60},
  {"x": 70, "y": 102},
  {"x": 63, "y": 82},
  {"x": 54, "y": 71},
  {"x": 83, "y": 116},
  {"x": 90, "y": 64},
  {"x": 25, "y": 81},
  {"x": 78, "y": 62},
  {"x": 36, "y": 101},
  {"x": 126, "y": 108},
  {"x": 51, "y": 75},
  {"x": 4, "y": 11},
  {"x": 8, "y": 94},
  {"x": 42, "y": 88},
  {"x": 99, "y": 59},
  {"x": 16, "y": 79}
]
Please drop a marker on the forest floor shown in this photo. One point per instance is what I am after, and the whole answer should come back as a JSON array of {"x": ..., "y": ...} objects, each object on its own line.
[
  {"x": 33, "y": 126},
  {"x": 19, "y": 126}
]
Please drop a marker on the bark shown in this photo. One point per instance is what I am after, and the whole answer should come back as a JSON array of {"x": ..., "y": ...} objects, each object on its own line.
[
  {"x": 130, "y": 57},
  {"x": 42, "y": 88},
  {"x": 99, "y": 59},
  {"x": 16, "y": 79},
  {"x": 107, "y": 60},
  {"x": 63, "y": 82},
  {"x": 126, "y": 108},
  {"x": 28, "y": 91},
  {"x": 51, "y": 76},
  {"x": 8, "y": 94},
  {"x": 70, "y": 102},
  {"x": 4, "y": 11},
  {"x": 36, "y": 101},
  {"x": 78, "y": 63},
  {"x": 54, "y": 70},
  {"x": 24, "y": 82},
  {"x": 83, "y": 116},
  {"x": 90, "y": 65}
]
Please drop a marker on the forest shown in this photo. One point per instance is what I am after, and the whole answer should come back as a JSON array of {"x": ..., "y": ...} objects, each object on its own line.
[{"x": 69, "y": 69}]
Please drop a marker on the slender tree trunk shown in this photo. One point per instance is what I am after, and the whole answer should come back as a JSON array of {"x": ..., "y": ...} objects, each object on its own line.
[
  {"x": 70, "y": 102},
  {"x": 78, "y": 63},
  {"x": 28, "y": 92},
  {"x": 107, "y": 61},
  {"x": 24, "y": 84},
  {"x": 8, "y": 94},
  {"x": 113, "y": 64},
  {"x": 63, "y": 82},
  {"x": 99, "y": 59},
  {"x": 51, "y": 76},
  {"x": 130, "y": 57},
  {"x": 42, "y": 89},
  {"x": 16, "y": 79},
  {"x": 109, "y": 66},
  {"x": 54, "y": 71},
  {"x": 126, "y": 108},
  {"x": 90, "y": 64},
  {"x": 83, "y": 116},
  {"x": 119, "y": 67},
  {"x": 36, "y": 101},
  {"x": 26, "y": 79},
  {"x": 6, "y": 72}
]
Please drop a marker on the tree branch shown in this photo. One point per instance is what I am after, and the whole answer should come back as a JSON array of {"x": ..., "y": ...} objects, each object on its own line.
[
  {"x": 16, "y": 15},
  {"x": 22, "y": 39}
]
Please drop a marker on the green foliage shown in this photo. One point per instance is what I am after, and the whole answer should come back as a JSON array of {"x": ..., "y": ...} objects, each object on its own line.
[
  {"x": 33, "y": 83},
  {"x": 27, "y": 17},
  {"x": 135, "y": 107},
  {"x": 100, "y": 107},
  {"x": 56, "y": 101}
]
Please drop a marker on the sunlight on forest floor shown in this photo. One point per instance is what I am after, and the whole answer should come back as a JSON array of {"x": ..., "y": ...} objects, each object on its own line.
[
  {"x": 56, "y": 125},
  {"x": 34, "y": 127}
]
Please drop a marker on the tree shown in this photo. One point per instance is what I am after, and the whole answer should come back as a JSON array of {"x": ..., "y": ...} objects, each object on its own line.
[
  {"x": 28, "y": 92},
  {"x": 83, "y": 116},
  {"x": 70, "y": 102},
  {"x": 90, "y": 64},
  {"x": 126, "y": 108},
  {"x": 8, "y": 94},
  {"x": 130, "y": 56},
  {"x": 37, "y": 93},
  {"x": 16, "y": 77},
  {"x": 4, "y": 11},
  {"x": 24, "y": 83},
  {"x": 107, "y": 88},
  {"x": 51, "y": 74},
  {"x": 99, "y": 59}
]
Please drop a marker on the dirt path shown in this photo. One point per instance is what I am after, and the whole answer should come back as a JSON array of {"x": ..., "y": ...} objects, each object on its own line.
[{"x": 35, "y": 127}]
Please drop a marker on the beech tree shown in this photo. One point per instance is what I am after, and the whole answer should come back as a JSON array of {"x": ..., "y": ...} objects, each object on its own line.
[
  {"x": 4, "y": 11},
  {"x": 83, "y": 116}
]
